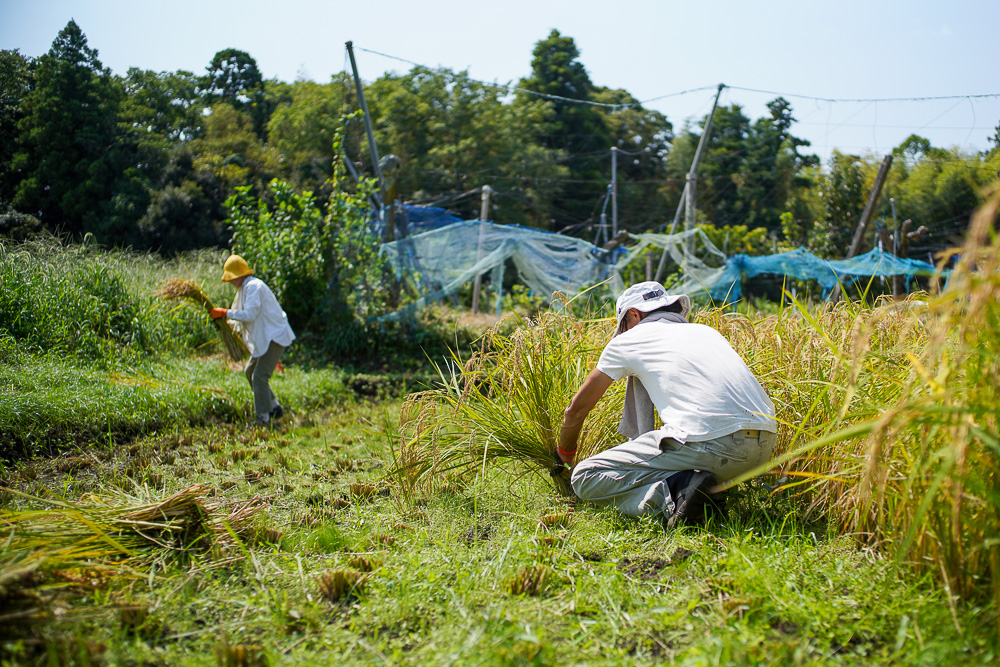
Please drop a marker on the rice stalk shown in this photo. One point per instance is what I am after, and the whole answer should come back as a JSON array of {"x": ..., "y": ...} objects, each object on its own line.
[
  {"x": 176, "y": 289},
  {"x": 338, "y": 585},
  {"x": 184, "y": 521},
  {"x": 505, "y": 403},
  {"x": 532, "y": 581}
]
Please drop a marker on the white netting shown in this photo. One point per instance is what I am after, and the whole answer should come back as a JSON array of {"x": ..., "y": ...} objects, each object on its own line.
[{"x": 441, "y": 261}]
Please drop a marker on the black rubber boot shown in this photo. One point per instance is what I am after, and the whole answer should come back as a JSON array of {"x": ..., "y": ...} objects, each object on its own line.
[{"x": 690, "y": 490}]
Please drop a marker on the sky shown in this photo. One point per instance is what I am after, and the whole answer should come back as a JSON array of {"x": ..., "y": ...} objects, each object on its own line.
[{"x": 876, "y": 51}]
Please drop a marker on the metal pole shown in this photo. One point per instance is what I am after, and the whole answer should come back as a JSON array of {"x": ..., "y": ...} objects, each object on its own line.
[
  {"x": 368, "y": 119},
  {"x": 614, "y": 192},
  {"x": 688, "y": 199},
  {"x": 484, "y": 211}
]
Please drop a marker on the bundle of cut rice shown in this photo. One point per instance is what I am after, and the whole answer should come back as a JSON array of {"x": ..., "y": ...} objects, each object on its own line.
[
  {"x": 185, "y": 520},
  {"x": 177, "y": 288}
]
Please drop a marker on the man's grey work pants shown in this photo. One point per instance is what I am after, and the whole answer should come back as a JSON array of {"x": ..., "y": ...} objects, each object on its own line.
[
  {"x": 633, "y": 476},
  {"x": 259, "y": 371}
]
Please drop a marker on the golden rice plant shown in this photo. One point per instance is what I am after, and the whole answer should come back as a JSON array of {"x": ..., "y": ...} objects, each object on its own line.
[
  {"x": 892, "y": 424},
  {"x": 337, "y": 585},
  {"x": 531, "y": 580},
  {"x": 506, "y": 403},
  {"x": 176, "y": 289}
]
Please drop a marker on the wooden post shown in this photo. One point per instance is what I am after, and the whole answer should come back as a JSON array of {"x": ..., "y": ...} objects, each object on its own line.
[{"x": 866, "y": 215}]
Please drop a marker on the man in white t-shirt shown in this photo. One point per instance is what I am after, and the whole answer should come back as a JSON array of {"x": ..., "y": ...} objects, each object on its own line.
[
  {"x": 718, "y": 422},
  {"x": 265, "y": 330}
]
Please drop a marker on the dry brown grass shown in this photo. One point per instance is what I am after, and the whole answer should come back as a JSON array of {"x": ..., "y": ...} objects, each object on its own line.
[{"x": 177, "y": 289}]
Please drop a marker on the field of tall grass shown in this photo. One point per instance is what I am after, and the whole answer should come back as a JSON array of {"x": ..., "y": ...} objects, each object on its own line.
[{"x": 888, "y": 413}]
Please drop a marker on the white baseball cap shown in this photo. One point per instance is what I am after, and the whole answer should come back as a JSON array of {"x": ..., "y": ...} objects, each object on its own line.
[{"x": 646, "y": 297}]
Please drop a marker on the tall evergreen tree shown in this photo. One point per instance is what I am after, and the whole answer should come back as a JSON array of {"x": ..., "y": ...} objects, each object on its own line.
[
  {"x": 576, "y": 129},
  {"x": 844, "y": 199},
  {"x": 233, "y": 77},
  {"x": 64, "y": 139},
  {"x": 16, "y": 80}
]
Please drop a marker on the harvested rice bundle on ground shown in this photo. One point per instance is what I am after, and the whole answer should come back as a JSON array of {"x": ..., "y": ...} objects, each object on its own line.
[
  {"x": 185, "y": 520},
  {"x": 176, "y": 289}
]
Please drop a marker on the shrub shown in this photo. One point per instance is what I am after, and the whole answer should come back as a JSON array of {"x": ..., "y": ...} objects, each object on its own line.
[{"x": 323, "y": 265}]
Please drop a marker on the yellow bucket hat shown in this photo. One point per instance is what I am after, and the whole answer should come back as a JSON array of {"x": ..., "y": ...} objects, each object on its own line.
[{"x": 235, "y": 267}]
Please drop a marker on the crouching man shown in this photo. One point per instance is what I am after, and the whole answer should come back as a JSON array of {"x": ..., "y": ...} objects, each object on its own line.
[{"x": 717, "y": 420}]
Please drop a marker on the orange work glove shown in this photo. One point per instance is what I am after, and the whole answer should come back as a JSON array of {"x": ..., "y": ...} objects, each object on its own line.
[{"x": 216, "y": 313}]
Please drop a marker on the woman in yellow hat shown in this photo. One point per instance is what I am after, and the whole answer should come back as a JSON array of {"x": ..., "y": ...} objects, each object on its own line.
[{"x": 265, "y": 329}]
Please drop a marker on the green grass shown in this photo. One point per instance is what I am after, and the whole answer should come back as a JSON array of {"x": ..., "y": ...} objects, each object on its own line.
[
  {"x": 48, "y": 403},
  {"x": 871, "y": 540},
  {"x": 767, "y": 585}
]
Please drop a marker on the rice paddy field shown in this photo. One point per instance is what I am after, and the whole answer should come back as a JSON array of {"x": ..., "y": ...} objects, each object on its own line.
[{"x": 142, "y": 522}]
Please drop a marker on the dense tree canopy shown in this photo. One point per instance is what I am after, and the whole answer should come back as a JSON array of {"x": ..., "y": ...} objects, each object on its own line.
[
  {"x": 149, "y": 158},
  {"x": 67, "y": 128}
]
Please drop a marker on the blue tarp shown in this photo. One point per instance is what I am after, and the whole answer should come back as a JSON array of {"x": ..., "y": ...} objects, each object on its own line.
[{"x": 803, "y": 265}]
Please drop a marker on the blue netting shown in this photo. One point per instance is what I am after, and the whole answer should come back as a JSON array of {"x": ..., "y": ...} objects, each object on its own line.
[
  {"x": 426, "y": 218},
  {"x": 803, "y": 265}
]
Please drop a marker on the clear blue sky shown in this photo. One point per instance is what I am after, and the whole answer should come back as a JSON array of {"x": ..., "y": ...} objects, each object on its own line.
[{"x": 844, "y": 49}]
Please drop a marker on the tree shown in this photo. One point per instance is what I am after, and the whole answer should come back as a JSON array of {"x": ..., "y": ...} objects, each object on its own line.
[
  {"x": 162, "y": 107},
  {"x": 16, "y": 80},
  {"x": 573, "y": 127},
  {"x": 64, "y": 138},
  {"x": 231, "y": 151},
  {"x": 773, "y": 171},
  {"x": 752, "y": 172},
  {"x": 844, "y": 197},
  {"x": 723, "y": 172},
  {"x": 454, "y": 135},
  {"x": 305, "y": 119},
  {"x": 643, "y": 137},
  {"x": 233, "y": 77}
]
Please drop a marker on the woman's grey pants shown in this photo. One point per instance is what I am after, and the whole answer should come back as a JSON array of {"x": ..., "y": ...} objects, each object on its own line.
[
  {"x": 633, "y": 476},
  {"x": 259, "y": 371}
]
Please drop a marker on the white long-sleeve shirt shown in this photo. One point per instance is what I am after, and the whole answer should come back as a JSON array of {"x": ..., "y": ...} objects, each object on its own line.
[{"x": 261, "y": 317}]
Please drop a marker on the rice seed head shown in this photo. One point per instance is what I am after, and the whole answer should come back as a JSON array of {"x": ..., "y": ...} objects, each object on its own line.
[
  {"x": 341, "y": 585},
  {"x": 363, "y": 563},
  {"x": 531, "y": 581},
  {"x": 178, "y": 288}
]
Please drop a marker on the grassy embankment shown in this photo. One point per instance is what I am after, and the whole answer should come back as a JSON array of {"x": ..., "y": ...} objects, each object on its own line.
[
  {"x": 88, "y": 353},
  {"x": 871, "y": 543}
]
